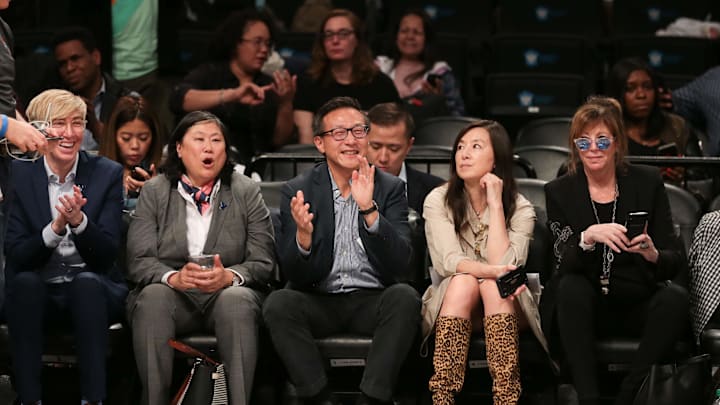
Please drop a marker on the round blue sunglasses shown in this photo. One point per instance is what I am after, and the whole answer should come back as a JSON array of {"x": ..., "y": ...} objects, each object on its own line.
[{"x": 602, "y": 143}]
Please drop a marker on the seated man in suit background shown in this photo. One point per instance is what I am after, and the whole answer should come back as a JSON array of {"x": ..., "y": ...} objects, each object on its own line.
[
  {"x": 390, "y": 139},
  {"x": 79, "y": 69},
  {"x": 63, "y": 236},
  {"x": 345, "y": 241}
]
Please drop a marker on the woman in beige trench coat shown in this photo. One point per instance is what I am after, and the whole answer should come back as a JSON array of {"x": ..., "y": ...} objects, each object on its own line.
[{"x": 478, "y": 227}]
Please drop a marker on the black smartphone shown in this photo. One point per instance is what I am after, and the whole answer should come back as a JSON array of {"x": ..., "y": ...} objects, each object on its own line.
[
  {"x": 432, "y": 78},
  {"x": 510, "y": 281},
  {"x": 668, "y": 149},
  {"x": 136, "y": 174},
  {"x": 635, "y": 223}
]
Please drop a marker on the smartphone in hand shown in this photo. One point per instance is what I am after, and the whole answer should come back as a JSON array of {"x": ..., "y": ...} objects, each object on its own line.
[
  {"x": 668, "y": 149},
  {"x": 433, "y": 78},
  {"x": 511, "y": 281},
  {"x": 635, "y": 223}
]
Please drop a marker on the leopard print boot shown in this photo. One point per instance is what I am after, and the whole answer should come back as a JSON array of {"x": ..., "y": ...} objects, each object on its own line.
[
  {"x": 452, "y": 340},
  {"x": 501, "y": 344}
]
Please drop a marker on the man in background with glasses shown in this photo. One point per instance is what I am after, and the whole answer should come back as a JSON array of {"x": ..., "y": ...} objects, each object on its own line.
[{"x": 344, "y": 242}]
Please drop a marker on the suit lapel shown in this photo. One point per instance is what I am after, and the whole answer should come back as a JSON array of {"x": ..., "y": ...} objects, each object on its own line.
[
  {"x": 220, "y": 204},
  {"x": 40, "y": 192},
  {"x": 177, "y": 217},
  {"x": 83, "y": 179},
  {"x": 322, "y": 202},
  {"x": 412, "y": 193}
]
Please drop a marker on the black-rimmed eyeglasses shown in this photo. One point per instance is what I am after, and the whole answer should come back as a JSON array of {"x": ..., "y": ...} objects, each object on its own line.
[{"x": 339, "y": 134}]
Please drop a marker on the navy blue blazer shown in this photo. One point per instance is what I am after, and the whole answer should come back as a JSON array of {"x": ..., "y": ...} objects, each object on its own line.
[
  {"x": 101, "y": 182},
  {"x": 388, "y": 251}
]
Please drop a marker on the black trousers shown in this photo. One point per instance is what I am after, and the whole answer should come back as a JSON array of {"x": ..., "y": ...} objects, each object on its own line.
[
  {"x": 86, "y": 306},
  {"x": 390, "y": 316},
  {"x": 583, "y": 314}
]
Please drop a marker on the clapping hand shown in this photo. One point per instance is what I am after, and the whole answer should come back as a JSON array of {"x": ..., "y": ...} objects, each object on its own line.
[
  {"x": 363, "y": 184},
  {"x": 69, "y": 210},
  {"x": 302, "y": 216}
]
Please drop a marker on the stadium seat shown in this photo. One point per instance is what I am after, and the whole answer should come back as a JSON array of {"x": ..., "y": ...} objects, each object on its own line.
[
  {"x": 541, "y": 53},
  {"x": 714, "y": 204},
  {"x": 545, "y": 131},
  {"x": 452, "y": 16},
  {"x": 550, "y": 16},
  {"x": 192, "y": 50},
  {"x": 517, "y": 98},
  {"x": 296, "y": 49},
  {"x": 669, "y": 55},
  {"x": 686, "y": 212},
  {"x": 546, "y": 160},
  {"x": 281, "y": 166},
  {"x": 648, "y": 16},
  {"x": 441, "y": 130}
]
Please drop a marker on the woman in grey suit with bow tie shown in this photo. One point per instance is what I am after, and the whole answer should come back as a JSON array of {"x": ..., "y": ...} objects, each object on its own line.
[{"x": 198, "y": 205}]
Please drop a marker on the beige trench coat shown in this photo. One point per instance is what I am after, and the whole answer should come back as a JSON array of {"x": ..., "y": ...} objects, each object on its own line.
[{"x": 447, "y": 250}]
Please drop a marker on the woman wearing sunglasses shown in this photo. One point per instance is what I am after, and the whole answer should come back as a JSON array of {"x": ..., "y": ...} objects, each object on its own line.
[{"x": 607, "y": 282}]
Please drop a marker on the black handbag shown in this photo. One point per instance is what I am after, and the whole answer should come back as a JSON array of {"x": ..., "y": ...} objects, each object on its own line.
[
  {"x": 205, "y": 384},
  {"x": 689, "y": 382}
]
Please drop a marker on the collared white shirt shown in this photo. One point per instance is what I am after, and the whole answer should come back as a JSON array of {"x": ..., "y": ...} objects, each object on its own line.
[
  {"x": 198, "y": 225},
  {"x": 403, "y": 176},
  {"x": 63, "y": 244}
]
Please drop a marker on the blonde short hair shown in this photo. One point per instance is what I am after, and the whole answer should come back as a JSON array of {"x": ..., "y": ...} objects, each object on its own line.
[{"x": 53, "y": 104}]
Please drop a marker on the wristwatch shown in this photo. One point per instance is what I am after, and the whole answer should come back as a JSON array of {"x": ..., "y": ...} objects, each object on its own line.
[{"x": 369, "y": 210}]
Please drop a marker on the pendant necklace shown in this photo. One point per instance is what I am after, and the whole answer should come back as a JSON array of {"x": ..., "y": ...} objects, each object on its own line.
[{"x": 608, "y": 255}]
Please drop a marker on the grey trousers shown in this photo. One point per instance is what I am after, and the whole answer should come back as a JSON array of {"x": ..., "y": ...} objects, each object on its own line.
[{"x": 161, "y": 313}]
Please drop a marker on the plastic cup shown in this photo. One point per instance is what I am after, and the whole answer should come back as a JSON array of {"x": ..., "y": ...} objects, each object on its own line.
[{"x": 204, "y": 261}]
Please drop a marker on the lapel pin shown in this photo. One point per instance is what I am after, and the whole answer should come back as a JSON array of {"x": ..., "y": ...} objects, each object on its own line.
[{"x": 222, "y": 205}]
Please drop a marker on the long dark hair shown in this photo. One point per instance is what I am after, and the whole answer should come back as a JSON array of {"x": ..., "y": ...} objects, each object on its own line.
[
  {"x": 427, "y": 57},
  {"x": 127, "y": 109},
  {"x": 617, "y": 83},
  {"x": 173, "y": 167},
  {"x": 363, "y": 64},
  {"x": 503, "y": 168}
]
